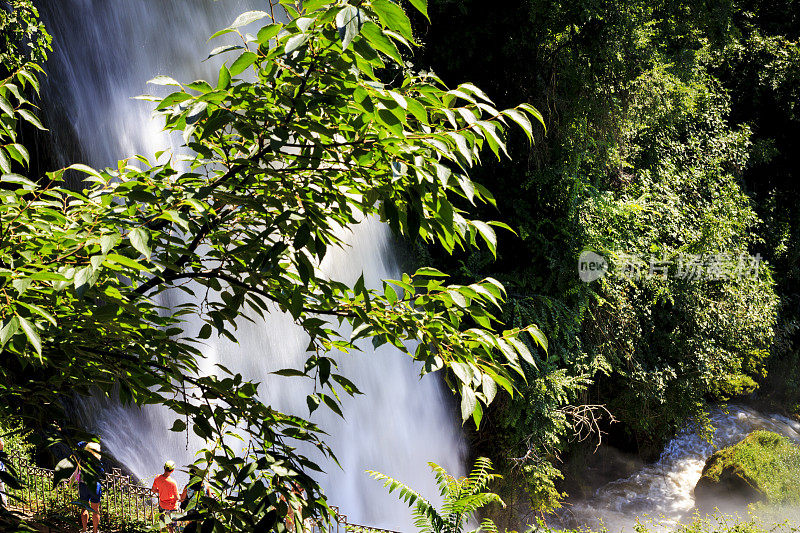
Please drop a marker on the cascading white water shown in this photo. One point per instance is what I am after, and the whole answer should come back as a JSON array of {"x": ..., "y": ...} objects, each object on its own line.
[
  {"x": 104, "y": 53},
  {"x": 664, "y": 490}
]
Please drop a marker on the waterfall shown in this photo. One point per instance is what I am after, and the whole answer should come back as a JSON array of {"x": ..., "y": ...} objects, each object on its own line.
[
  {"x": 105, "y": 51},
  {"x": 664, "y": 490}
]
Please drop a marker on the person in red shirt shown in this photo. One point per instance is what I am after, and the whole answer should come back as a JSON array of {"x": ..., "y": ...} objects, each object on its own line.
[{"x": 167, "y": 490}]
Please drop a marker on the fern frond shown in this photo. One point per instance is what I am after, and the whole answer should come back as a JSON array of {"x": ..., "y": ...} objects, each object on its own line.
[
  {"x": 481, "y": 474},
  {"x": 470, "y": 503},
  {"x": 462, "y": 498},
  {"x": 427, "y": 520},
  {"x": 407, "y": 494},
  {"x": 444, "y": 481}
]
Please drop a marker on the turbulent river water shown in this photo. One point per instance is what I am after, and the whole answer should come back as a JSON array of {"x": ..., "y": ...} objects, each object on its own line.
[
  {"x": 105, "y": 51},
  {"x": 663, "y": 491}
]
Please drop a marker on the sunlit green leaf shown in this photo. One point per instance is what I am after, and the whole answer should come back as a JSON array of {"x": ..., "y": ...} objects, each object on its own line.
[
  {"x": 248, "y": 18},
  {"x": 31, "y": 334},
  {"x": 139, "y": 239},
  {"x": 393, "y": 17},
  {"x": 242, "y": 62}
]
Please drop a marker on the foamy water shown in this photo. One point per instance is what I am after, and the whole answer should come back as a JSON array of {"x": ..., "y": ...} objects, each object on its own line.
[{"x": 664, "y": 490}]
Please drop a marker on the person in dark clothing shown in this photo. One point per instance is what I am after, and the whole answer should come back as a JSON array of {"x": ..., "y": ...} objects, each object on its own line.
[
  {"x": 193, "y": 492},
  {"x": 3, "y": 498},
  {"x": 89, "y": 493}
]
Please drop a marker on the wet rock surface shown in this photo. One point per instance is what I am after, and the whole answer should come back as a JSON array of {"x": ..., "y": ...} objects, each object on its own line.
[
  {"x": 733, "y": 488},
  {"x": 759, "y": 468}
]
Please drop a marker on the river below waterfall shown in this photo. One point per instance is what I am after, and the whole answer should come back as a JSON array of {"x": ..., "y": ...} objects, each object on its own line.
[{"x": 663, "y": 491}]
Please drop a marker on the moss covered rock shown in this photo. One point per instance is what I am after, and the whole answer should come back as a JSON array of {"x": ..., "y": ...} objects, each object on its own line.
[{"x": 764, "y": 466}]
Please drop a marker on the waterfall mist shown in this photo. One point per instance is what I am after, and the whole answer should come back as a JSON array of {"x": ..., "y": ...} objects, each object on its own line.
[{"x": 104, "y": 54}]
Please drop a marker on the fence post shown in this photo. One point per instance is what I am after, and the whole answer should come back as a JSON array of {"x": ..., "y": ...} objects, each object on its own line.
[
  {"x": 114, "y": 496},
  {"x": 123, "y": 483}
]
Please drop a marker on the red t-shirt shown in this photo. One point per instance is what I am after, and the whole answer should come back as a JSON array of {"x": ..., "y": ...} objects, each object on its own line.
[{"x": 167, "y": 492}]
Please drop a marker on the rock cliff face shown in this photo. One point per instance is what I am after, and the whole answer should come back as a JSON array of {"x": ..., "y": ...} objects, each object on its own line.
[{"x": 763, "y": 467}]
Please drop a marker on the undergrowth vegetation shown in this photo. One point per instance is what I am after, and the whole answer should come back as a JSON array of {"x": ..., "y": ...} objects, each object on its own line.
[
  {"x": 670, "y": 129},
  {"x": 752, "y": 521}
]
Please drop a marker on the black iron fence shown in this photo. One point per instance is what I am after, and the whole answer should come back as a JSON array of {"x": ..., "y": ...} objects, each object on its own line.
[
  {"x": 126, "y": 502},
  {"x": 343, "y": 526}
]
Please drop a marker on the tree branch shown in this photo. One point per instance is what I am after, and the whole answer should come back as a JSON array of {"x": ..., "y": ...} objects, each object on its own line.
[{"x": 237, "y": 282}]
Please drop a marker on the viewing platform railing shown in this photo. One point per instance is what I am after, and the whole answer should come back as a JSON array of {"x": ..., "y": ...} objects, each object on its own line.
[
  {"x": 126, "y": 502},
  {"x": 343, "y": 526}
]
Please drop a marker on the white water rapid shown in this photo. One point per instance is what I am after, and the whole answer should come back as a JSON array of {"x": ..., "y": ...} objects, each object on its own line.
[
  {"x": 105, "y": 51},
  {"x": 663, "y": 491}
]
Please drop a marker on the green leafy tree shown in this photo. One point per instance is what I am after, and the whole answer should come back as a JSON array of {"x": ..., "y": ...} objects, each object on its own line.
[
  {"x": 311, "y": 126},
  {"x": 23, "y": 38},
  {"x": 462, "y": 498},
  {"x": 669, "y": 127},
  {"x": 679, "y": 338}
]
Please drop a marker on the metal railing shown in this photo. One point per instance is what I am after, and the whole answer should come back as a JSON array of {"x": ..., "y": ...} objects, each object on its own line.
[
  {"x": 343, "y": 526},
  {"x": 125, "y": 500}
]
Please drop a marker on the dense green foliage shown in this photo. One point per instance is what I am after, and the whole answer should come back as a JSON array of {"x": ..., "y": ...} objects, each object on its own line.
[
  {"x": 668, "y": 342},
  {"x": 751, "y": 522},
  {"x": 759, "y": 522},
  {"x": 15, "y": 437},
  {"x": 24, "y": 44},
  {"x": 23, "y": 38},
  {"x": 311, "y": 126},
  {"x": 767, "y": 461},
  {"x": 670, "y": 128}
]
